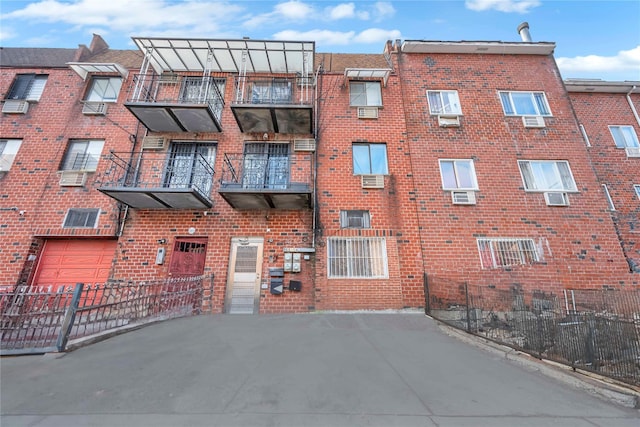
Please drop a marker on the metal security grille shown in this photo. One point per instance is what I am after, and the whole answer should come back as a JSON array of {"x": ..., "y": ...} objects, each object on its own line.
[
  {"x": 505, "y": 252},
  {"x": 246, "y": 257},
  {"x": 357, "y": 257},
  {"x": 266, "y": 166}
]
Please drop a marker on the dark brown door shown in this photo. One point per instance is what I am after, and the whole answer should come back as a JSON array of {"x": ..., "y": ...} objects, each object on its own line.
[{"x": 188, "y": 258}]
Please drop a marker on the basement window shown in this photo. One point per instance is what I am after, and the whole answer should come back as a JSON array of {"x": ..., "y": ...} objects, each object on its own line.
[
  {"x": 357, "y": 258},
  {"x": 81, "y": 218},
  {"x": 500, "y": 252}
]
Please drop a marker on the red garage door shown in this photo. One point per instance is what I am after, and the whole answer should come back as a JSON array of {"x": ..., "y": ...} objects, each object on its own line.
[{"x": 67, "y": 262}]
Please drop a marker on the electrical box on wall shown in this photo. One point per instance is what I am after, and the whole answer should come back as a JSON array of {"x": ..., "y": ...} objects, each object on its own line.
[
  {"x": 295, "y": 265},
  {"x": 288, "y": 258},
  {"x": 160, "y": 256}
]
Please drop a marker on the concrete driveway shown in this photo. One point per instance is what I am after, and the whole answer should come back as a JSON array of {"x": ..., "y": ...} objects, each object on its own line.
[{"x": 320, "y": 369}]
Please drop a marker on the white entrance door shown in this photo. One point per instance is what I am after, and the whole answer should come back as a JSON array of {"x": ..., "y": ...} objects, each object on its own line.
[{"x": 243, "y": 284}]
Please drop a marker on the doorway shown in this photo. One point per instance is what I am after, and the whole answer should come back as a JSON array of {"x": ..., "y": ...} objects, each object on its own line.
[{"x": 243, "y": 283}]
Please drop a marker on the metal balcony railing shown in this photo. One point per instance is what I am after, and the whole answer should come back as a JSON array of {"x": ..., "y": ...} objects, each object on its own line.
[
  {"x": 288, "y": 172},
  {"x": 267, "y": 90}
]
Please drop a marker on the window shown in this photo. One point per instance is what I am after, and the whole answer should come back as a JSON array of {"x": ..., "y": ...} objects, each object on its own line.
[
  {"x": 524, "y": 104},
  {"x": 624, "y": 136},
  {"x": 355, "y": 219},
  {"x": 104, "y": 89},
  {"x": 271, "y": 92},
  {"x": 547, "y": 175},
  {"x": 81, "y": 218},
  {"x": 370, "y": 159},
  {"x": 28, "y": 87},
  {"x": 190, "y": 165},
  {"x": 8, "y": 150},
  {"x": 365, "y": 94},
  {"x": 637, "y": 188},
  {"x": 357, "y": 257},
  {"x": 265, "y": 165},
  {"x": 82, "y": 156},
  {"x": 444, "y": 102},
  {"x": 458, "y": 175},
  {"x": 496, "y": 253}
]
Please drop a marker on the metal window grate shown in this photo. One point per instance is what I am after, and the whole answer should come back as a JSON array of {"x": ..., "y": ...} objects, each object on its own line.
[
  {"x": 496, "y": 253},
  {"x": 357, "y": 257}
]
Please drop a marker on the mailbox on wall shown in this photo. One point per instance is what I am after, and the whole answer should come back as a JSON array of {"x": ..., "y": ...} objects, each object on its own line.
[{"x": 276, "y": 280}]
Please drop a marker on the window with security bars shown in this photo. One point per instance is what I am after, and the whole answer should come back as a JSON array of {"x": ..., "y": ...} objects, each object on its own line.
[
  {"x": 81, "y": 218},
  {"x": 355, "y": 219},
  {"x": 495, "y": 253},
  {"x": 357, "y": 258},
  {"x": 82, "y": 156}
]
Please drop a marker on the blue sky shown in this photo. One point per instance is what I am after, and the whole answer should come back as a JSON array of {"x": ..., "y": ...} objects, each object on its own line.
[{"x": 595, "y": 39}]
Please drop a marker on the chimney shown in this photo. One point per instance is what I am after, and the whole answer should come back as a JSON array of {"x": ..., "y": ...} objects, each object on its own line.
[{"x": 523, "y": 30}]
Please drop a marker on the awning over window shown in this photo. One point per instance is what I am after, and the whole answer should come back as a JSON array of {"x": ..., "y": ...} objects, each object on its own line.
[
  {"x": 368, "y": 73},
  {"x": 83, "y": 69},
  {"x": 174, "y": 55}
]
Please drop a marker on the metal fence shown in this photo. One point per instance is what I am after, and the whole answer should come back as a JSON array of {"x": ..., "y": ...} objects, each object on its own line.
[
  {"x": 596, "y": 330},
  {"x": 37, "y": 319}
]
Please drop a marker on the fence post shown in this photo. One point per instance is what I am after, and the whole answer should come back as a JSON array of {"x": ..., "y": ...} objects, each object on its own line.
[
  {"x": 69, "y": 318},
  {"x": 466, "y": 293},
  {"x": 427, "y": 298}
]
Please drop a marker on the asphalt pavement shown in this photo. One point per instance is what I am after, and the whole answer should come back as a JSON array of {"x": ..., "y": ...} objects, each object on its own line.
[{"x": 316, "y": 369}]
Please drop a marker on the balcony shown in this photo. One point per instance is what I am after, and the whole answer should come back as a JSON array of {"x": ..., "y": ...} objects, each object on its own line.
[
  {"x": 177, "y": 103},
  {"x": 149, "y": 180},
  {"x": 274, "y": 105},
  {"x": 267, "y": 181}
]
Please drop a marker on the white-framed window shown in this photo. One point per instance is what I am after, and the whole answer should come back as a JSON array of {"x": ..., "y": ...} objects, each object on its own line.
[
  {"x": 505, "y": 252},
  {"x": 81, "y": 218},
  {"x": 370, "y": 159},
  {"x": 357, "y": 258},
  {"x": 8, "y": 150},
  {"x": 355, "y": 219},
  {"x": 636, "y": 187},
  {"x": 104, "y": 89},
  {"x": 82, "y": 155},
  {"x": 444, "y": 102},
  {"x": 547, "y": 175},
  {"x": 624, "y": 136},
  {"x": 525, "y": 104},
  {"x": 28, "y": 87},
  {"x": 458, "y": 175},
  {"x": 365, "y": 94}
]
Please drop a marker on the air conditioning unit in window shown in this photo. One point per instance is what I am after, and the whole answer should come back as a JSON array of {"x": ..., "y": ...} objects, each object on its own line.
[
  {"x": 533, "y": 121},
  {"x": 154, "y": 142},
  {"x": 72, "y": 178},
  {"x": 463, "y": 197},
  {"x": 633, "y": 151},
  {"x": 304, "y": 144},
  {"x": 94, "y": 108},
  {"x": 448, "y": 120},
  {"x": 372, "y": 181},
  {"x": 556, "y": 199},
  {"x": 367, "y": 112},
  {"x": 15, "y": 106}
]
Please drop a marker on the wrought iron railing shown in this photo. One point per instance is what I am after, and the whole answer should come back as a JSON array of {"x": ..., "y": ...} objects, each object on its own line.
[
  {"x": 257, "y": 90},
  {"x": 150, "y": 169},
  {"x": 596, "y": 330},
  {"x": 266, "y": 172},
  {"x": 171, "y": 89},
  {"x": 37, "y": 319}
]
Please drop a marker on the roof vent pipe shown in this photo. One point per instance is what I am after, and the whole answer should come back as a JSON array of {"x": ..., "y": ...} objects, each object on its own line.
[{"x": 523, "y": 30}]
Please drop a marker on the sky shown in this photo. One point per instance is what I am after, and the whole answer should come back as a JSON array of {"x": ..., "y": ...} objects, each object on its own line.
[{"x": 594, "y": 39}]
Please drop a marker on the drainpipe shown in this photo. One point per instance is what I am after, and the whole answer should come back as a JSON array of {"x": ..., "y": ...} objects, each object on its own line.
[{"x": 633, "y": 107}]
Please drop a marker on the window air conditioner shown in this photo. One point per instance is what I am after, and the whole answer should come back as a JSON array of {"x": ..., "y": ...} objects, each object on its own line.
[
  {"x": 446, "y": 121},
  {"x": 367, "y": 112},
  {"x": 72, "y": 178},
  {"x": 154, "y": 142},
  {"x": 463, "y": 197},
  {"x": 94, "y": 108},
  {"x": 372, "y": 181},
  {"x": 304, "y": 144},
  {"x": 633, "y": 151},
  {"x": 533, "y": 121},
  {"x": 556, "y": 199},
  {"x": 15, "y": 106}
]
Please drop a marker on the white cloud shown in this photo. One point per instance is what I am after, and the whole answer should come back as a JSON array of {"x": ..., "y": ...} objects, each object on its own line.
[
  {"x": 507, "y": 6},
  {"x": 377, "y": 35},
  {"x": 293, "y": 10},
  {"x": 337, "y": 38},
  {"x": 342, "y": 11},
  {"x": 149, "y": 16},
  {"x": 383, "y": 10},
  {"x": 625, "y": 60},
  {"x": 7, "y": 33}
]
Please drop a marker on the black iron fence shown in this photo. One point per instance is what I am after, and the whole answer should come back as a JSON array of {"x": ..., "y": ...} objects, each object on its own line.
[
  {"x": 596, "y": 330},
  {"x": 38, "y": 319}
]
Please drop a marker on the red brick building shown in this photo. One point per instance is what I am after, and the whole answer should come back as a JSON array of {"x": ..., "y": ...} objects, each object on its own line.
[
  {"x": 608, "y": 117},
  {"x": 303, "y": 181}
]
